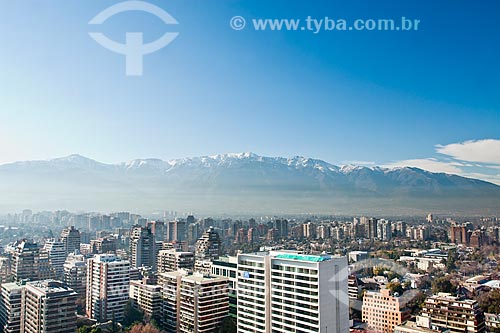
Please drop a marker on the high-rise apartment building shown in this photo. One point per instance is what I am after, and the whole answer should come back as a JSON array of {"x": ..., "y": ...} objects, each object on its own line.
[
  {"x": 57, "y": 256},
  {"x": 309, "y": 230},
  {"x": 107, "y": 294},
  {"x": 10, "y": 307},
  {"x": 384, "y": 230},
  {"x": 193, "y": 232},
  {"x": 284, "y": 291},
  {"x": 71, "y": 239},
  {"x": 203, "y": 305},
  {"x": 190, "y": 219},
  {"x": 5, "y": 273},
  {"x": 75, "y": 273},
  {"x": 158, "y": 229},
  {"x": 45, "y": 269},
  {"x": 372, "y": 228},
  {"x": 172, "y": 260},
  {"x": 208, "y": 246},
  {"x": 171, "y": 292},
  {"x": 142, "y": 247},
  {"x": 103, "y": 245},
  {"x": 227, "y": 267},
  {"x": 207, "y": 249},
  {"x": 48, "y": 306},
  {"x": 444, "y": 311},
  {"x": 146, "y": 297},
  {"x": 282, "y": 226},
  {"x": 192, "y": 302},
  {"x": 25, "y": 261},
  {"x": 383, "y": 311},
  {"x": 176, "y": 231}
]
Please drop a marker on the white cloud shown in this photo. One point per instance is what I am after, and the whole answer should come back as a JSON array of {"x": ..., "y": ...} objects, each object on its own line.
[
  {"x": 495, "y": 179},
  {"x": 429, "y": 164},
  {"x": 483, "y": 151},
  {"x": 478, "y": 159}
]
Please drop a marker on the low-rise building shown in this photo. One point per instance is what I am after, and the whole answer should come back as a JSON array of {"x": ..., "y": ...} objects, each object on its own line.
[
  {"x": 492, "y": 321},
  {"x": 413, "y": 327},
  {"x": 450, "y": 312},
  {"x": 383, "y": 311}
]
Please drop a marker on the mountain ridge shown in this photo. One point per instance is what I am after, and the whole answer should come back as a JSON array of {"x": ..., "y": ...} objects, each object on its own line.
[
  {"x": 238, "y": 182},
  {"x": 297, "y": 160}
]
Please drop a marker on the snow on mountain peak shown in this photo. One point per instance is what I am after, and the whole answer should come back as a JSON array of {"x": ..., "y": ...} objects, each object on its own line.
[{"x": 152, "y": 163}]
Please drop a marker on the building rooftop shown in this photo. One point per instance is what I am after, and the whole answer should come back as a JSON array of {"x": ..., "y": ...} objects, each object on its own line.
[
  {"x": 11, "y": 286},
  {"x": 179, "y": 272},
  {"x": 303, "y": 257},
  {"x": 478, "y": 279},
  {"x": 110, "y": 258},
  {"x": 413, "y": 327},
  {"x": 493, "y": 284},
  {"x": 50, "y": 287},
  {"x": 200, "y": 278}
]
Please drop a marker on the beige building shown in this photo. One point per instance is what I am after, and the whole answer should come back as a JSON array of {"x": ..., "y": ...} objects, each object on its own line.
[
  {"x": 383, "y": 311},
  {"x": 146, "y": 297},
  {"x": 444, "y": 311},
  {"x": 204, "y": 303},
  {"x": 75, "y": 273},
  {"x": 413, "y": 327},
  {"x": 48, "y": 307},
  {"x": 172, "y": 260},
  {"x": 25, "y": 261},
  {"x": 193, "y": 303}
]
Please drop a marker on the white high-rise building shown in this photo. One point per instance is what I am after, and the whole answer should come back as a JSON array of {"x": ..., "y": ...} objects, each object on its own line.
[
  {"x": 57, "y": 256},
  {"x": 75, "y": 273},
  {"x": 227, "y": 267},
  {"x": 282, "y": 291},
  {"x": 10, "y": 307},
  {"x": 108, "y": 279}
]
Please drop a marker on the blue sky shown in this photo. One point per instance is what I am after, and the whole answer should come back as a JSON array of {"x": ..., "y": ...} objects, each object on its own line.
[{"x": 427, "y": 98}]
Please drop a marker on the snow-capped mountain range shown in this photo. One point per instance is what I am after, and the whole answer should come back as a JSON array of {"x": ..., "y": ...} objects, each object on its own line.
[{"x": 241, "y": 182}]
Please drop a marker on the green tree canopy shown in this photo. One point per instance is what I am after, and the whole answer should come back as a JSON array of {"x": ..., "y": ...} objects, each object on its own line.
[{"x": 443, "y": 284}]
